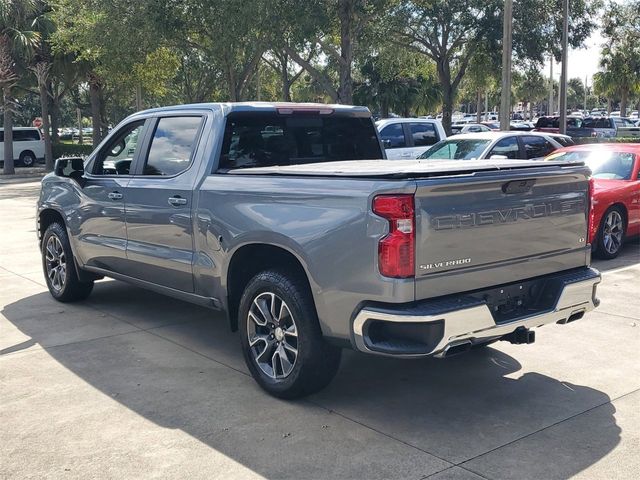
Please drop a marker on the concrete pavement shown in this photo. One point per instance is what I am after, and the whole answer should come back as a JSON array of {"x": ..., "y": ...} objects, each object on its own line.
[{"x": 130, "y": 384}]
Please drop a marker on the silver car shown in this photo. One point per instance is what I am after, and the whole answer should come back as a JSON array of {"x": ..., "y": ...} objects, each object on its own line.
[{"x": 497, "y": 145}]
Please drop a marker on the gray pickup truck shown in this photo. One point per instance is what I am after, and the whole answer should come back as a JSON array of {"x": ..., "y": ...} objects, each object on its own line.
[{"x": 288, "y": 218}]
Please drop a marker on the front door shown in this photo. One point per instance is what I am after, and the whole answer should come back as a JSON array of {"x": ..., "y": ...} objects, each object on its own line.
[
  {"x": 159, "y": 204},
  {"x": 102, "y": 235}
]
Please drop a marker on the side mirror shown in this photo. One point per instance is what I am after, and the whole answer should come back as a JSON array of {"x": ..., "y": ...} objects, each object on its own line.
[
  {"x": 386, "y": 143},
  {"x": 498, "y": 157},
  {"x": 70, "y": 167}
]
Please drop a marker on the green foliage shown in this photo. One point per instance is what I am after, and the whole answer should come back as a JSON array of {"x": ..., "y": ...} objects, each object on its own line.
[
  {"x": 590, "y": 140},
  {"x": 71, "y": 150}
]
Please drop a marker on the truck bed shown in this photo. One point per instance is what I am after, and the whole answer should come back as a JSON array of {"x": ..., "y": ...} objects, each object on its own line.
[{"x": 401, "y": 168}]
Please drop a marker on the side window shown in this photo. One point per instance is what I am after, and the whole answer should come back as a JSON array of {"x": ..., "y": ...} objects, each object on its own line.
[
  {"x": 172, "y": 146},
  {"x": 536, "y": 147},
  {"x": 25, "y": 135},
  {"x": 508, "y": 147},
  {"x": 393, "y": 136},
  {"x": 115, "y": 158},
  {"x": 424, "y": 134}
]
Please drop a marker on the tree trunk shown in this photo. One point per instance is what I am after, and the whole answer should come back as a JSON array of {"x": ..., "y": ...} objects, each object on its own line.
[
  {"x": 284, "y": 77},
  {"x": 54, "y": 113},
  {"x": 479, "y": 106},
  {"x": 139, "y": 98},
  {"x": 623, "y": 104},
  {"x": 46, "y": 125},
  {"x": 384, "y": 108},
  {"x": 8, "y": 132},
  {"x": 608, "y": 106},
  {"x": 79, "y": 119},
  {"x": 346, "y": 14},
  {"x": 447, "y": 109},
  {"x": 94, "y": 95},
  {"x": 530, "y": 111}
]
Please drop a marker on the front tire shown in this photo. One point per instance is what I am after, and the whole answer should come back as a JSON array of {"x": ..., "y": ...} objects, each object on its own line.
[
  {"x": 281, "y": 337},
  {"x": 27, "y": 159},
  {"x": 60, "y": 268},
  {"x": 611, "y": 233}
]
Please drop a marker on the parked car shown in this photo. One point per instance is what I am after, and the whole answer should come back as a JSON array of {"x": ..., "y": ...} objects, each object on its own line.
[
  {"x": 497, "y": 145},
  {"x": 551, "y": 124},
  {"x": 28, "y": 146},
  {"x": 634, "y": 115},
  {"x": 310, "y": 241},
  {"x": 468, "y": 128},
  {"x": 405, "y": 138},
  {"x": 615, "y": 194},
  {"x": 611, "y": 127}
]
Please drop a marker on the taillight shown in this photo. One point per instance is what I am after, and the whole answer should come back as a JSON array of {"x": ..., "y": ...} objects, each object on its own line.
[
  {"x": 396, "y": 251},
  {"x": 592, "y": 224}
]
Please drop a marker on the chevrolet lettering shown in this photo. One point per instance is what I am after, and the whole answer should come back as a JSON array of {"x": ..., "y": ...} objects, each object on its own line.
[{"x": 513, "y": 214}]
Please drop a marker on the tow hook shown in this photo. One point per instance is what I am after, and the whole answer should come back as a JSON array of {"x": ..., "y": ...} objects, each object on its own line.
[{"x": 520, "y": 335}]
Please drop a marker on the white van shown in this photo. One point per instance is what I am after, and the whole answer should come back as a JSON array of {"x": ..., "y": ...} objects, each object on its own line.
[
  {"x": 28, "y": 146},
  {"x": 407, "y": 138}
]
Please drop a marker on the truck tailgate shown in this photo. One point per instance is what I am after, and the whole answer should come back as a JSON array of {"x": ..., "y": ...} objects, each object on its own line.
[{"x": 492, "y": 228}]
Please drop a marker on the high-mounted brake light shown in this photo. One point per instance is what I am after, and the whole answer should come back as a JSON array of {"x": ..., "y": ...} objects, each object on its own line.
[
  {"x": 396, "y": 251},
  {"x": 291, "y": 110}
]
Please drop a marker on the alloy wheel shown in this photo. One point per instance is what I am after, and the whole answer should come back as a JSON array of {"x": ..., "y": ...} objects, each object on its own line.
[
  {"x": 612, "y": 232},
  {"x": 272, "y": 335},
  {"x": 56, "y": 263}
]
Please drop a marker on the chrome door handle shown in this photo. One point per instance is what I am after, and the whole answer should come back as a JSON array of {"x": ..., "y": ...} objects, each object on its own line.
[
  {"x": 115, "y": 196},
  {"x": 177, "y": 201}
]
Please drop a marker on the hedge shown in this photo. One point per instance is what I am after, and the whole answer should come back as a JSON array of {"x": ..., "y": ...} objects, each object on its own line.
[
  {"x": 587, "y": 140},
  {"x": 71, "y": 150}
]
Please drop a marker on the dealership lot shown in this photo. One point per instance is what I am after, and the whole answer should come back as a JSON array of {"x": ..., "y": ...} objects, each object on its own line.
[{"x": 130, "y": 384}]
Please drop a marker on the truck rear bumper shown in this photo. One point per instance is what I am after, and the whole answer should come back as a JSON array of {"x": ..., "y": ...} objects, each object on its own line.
[{"x": 440, "y": 326}]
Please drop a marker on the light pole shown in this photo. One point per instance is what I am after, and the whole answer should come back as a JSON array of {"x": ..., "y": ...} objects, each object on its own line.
[
  {"x": 563, "y": 75},
  {"x": 505, "y": 97}
]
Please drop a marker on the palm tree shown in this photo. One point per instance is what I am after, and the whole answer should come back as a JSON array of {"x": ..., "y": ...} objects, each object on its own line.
[
  {"x": 17, "y": 41},
  {"x": 605, "y": 85}
]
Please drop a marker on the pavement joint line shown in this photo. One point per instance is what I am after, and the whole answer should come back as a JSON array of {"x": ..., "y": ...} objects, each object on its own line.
[
  {"x": 571, "y": 417},
  {"x": 454, "y": 466},
  {"x": 380, "y": 432},
  {"x": 77, "y": 342},
  {"x": 637, "y": 319}
]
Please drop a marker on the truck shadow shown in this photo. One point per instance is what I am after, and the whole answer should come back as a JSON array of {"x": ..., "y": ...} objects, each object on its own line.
[{"x": 177, "y": 376}]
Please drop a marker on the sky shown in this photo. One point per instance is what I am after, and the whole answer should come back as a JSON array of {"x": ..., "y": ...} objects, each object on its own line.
[{"x": 582, "y": 62}]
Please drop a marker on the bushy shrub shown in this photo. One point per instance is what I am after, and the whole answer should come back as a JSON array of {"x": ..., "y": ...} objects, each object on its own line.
[
  {"x": 71, "y": 150},
  {"x": 589, "y": 140}
]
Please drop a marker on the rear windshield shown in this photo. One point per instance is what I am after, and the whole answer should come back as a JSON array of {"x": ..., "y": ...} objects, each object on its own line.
[
  {"x": 269, "y": 139},
  {"x": 597, "y": 123},
  {"x": 463, "y": 149}
]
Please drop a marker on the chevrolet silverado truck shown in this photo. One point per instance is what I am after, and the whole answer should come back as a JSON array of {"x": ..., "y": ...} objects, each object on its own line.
[{"x": 289, "y": 219}]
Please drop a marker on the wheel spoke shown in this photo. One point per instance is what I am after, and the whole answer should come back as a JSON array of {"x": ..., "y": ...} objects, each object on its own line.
[
  {"x": 289, "y": 348},
  {"x": 285, "y": 364},
  {"x": 291, "y": 330},
  {"x": 256, "y": 320},
  {"x": 263, "y": 308}
]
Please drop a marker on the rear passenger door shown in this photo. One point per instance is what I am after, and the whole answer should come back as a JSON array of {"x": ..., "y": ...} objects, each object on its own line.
[
  {"x": 159, "y": 204},
  {"x": 422, "y": 136},
  {"x": 506, "y": 147},
  {"x": 395, "y": 142},
  {"x": 536, "y": 147}
]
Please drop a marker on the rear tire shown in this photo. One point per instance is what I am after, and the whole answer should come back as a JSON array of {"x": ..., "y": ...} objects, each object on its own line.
[
  {"x": 59, "y": 266},
  {"x": 611, "y": 233},
  {"x": 281, "y": 338},
  {"x": 27, "y": 159}
]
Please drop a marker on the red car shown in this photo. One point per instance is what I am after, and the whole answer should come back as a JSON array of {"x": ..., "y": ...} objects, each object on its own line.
[{"x": 615, "y": 192}]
